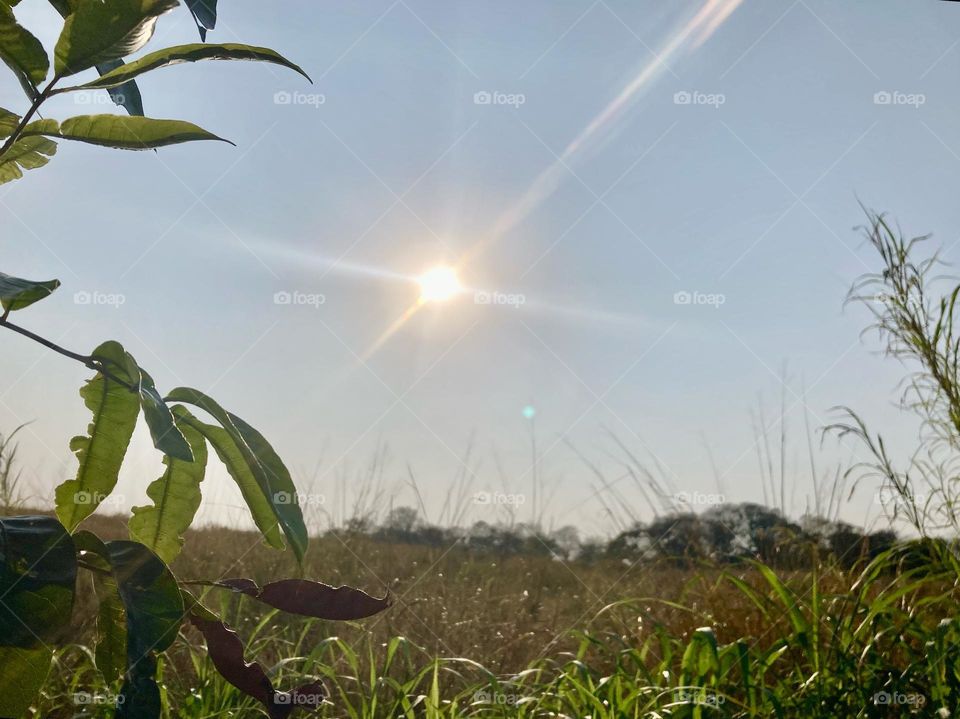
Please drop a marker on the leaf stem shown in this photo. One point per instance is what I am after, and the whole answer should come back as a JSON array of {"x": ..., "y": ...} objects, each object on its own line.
[
  {"x": 86, "y": 360},
  {"x": 34, "y": 106}
]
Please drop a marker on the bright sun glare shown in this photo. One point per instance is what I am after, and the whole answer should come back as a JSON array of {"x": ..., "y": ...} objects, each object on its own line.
[{"x": 439, "y": 284}]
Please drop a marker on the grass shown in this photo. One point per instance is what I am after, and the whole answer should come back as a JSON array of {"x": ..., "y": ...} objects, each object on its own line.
[{"x": 474, "y": 634}]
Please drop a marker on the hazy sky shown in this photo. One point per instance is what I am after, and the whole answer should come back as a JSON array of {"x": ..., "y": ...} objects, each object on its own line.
[{"x": 581, "y": 162}]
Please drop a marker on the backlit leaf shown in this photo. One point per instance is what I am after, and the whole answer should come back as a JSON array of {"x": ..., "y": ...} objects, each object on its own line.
[
  {"x": 176, "y": 498},
  {"x": 17, "y": 293},
  {"x": 123, "y": 133},
  {"x": 97, "y": 31},
  {"x": 239, "y": 470},
  {"x": 27, "y": 153},
  {"x": 166, "y": 436},
  {"x": 21, "y": 51},
  {"x": 271, "y": 475},
  {"x": 100, "y": 452},
  {"x": 185, "y": 53}
]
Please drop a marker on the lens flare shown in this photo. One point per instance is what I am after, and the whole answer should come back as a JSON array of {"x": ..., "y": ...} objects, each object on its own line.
[{"x": 439, "y": 284}]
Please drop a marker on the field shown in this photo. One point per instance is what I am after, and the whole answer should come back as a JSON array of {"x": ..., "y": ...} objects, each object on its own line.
[{"x": 476, "y": 634}]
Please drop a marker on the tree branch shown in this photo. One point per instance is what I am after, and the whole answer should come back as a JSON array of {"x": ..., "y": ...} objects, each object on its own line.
[{"x": 86, "y": 360}]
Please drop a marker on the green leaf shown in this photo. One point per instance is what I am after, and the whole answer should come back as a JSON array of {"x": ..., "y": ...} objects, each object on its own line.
[
  {"x": 22, "y": 674},
  {"x": 38, "y": 575},
  {"x": 22, "y": 52},
  {"x": 166, "y": 436},
  {"x": 234, "y": 460},
  {"x": 269, "y": 471},
  {"x": 126, "y": 95},
  {"x": 100, "y": 453},
  {"x": 27, "y": 153},
  {"x": 8, "y": 123},
  {"x": 17, "y": 293},
  {"x": 184, "y": 53},
  {"x": 111, "y": 647},
  {"x": 204, "y": 14},
  {"x": 98, "y": 31},
  {"x": 176, "y": 498},
  {"x": 154, "y": 610},
  {"x": 123, "y": 133}
]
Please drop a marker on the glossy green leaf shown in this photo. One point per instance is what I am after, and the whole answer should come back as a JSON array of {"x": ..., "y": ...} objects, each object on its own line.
[
  {"x": 22, "y": 674},
  {"x": 97, "y": 31},
  {"x": 166, "y": 436},
  {"x": 101, "y": 451},
  {"x": 17, "y": 293},
  {"x": 21, "y": 51},
  {"x": 111, "y": 646},
  {"x": 38, "y": 575},
  {"x": 239, "y": 470},
  {"x": 269, "y": 471},
  {"x": 27, "y": 153},
  {"x": 176, "y": 498},
  {"x": 185, "y": 53},
  {"x": 122, "y": 133}
]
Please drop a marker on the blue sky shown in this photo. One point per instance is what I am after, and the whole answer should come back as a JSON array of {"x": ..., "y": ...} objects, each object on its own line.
[{"x": 391, "y": 163}]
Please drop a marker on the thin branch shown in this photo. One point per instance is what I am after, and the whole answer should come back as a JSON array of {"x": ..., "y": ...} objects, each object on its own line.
[{"x": 87, "y": 360}]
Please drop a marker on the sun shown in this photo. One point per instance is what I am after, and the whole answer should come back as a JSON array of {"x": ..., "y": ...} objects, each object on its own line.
[{"x": 439, "y": 284}]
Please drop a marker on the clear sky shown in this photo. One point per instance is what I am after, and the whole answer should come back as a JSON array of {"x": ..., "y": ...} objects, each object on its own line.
[{"x": 580, "y": 162}]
